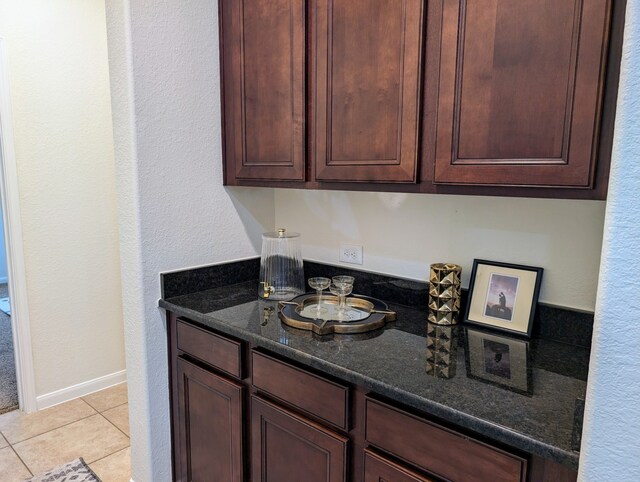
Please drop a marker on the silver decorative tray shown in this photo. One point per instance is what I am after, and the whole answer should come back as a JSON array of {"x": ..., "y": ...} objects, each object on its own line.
[{"x": 361, "y": 315}]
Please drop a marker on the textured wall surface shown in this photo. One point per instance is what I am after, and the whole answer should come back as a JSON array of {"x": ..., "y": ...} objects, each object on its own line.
[
  {"x": 611, "y": 438},
  {"x": 403, "y": 234},
  {"x": 174, "y": 211},
  {"x": 59, "y": 84}
]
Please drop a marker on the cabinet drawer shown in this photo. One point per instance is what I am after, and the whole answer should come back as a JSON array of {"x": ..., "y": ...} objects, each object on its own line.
[
  {"x": 316, "y": 396},
  {"x": 377, "y": 468},
  {"x": 438, "y": 450},
  {"x": 218, "y": 351}
]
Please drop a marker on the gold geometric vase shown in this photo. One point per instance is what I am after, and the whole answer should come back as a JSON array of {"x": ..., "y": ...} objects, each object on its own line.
[
  {"x": 442, "y": 344},
  {"x": 444, "y": 293}
]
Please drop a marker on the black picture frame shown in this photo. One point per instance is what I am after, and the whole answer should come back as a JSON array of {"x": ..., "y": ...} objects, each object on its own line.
[{"x": 515, "y": 311}]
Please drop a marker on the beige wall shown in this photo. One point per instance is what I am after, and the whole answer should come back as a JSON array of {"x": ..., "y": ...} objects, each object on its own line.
[
  {"x": 403, "y": 233},
  {"x": 59, "y": 83}
]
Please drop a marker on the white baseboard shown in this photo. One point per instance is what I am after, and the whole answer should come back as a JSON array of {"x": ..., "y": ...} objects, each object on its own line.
[{"x": 80, "y": 390}]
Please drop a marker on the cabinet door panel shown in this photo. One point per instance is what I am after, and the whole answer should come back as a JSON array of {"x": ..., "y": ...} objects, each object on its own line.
[
  {"x": 289, "y": 448},
  {"x": 366, "y": 77},
  {"x": 264, "y": 88},
  {"x": 210, "y": 426},
  {"x": 520, "y": 91}
]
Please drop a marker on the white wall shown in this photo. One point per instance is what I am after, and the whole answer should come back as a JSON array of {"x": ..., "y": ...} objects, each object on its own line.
[
  {"x": 59, "y": 84},
  {"x": 174, "y": 211},
  {"x": 403, "y": 234},
  {"x": 611, "y": 437}
]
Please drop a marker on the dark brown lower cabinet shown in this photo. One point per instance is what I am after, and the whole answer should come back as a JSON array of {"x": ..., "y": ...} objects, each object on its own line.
[
  {"x": 380, "y": 469},
  {"x": 242, "y": 414},
  {"x": 210, "y": 411},
  {"x": 288, "y": 448}
]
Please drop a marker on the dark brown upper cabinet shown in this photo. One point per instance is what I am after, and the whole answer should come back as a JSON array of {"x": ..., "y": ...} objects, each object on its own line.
[
  {"x": 520, "y": 91},
  {"x": 263, "y": 58},
  {"x": 493, "y": 97},
  {"x": 366, "y": 79}
]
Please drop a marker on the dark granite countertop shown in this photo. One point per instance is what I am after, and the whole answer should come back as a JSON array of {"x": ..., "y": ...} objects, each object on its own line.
[{"x": 528, "y": 404}]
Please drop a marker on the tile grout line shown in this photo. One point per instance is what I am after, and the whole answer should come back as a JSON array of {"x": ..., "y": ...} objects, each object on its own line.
[
  {"x": 63, "y": 425},
  {"x": 102, "y": 458},
  {"x": 84, "y": 418},
  {"x": 119, "y": 450},
  {"x": 115, "y": 406},
  {"x": 66, "y": 424},
  {"x": 97, "y": 411},
  {"x": 42, "y": 433},
  {"x": 80, "y": 419},
  {"x": 23, "y": 462},
  {"x": 119, "y": 429}
]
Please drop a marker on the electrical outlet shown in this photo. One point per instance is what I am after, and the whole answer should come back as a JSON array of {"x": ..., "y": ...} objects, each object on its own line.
[{"x": 351, "y": 253}]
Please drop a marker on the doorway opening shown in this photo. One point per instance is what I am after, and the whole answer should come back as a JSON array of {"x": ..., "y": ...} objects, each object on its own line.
[
  {"x": 17, "y": 381},
  {"x": 8, "y": 380}
]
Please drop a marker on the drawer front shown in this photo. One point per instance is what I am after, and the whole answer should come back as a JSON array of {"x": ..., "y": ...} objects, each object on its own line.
[
  {"x": 380, "y": 469},
  {"x": 438, "y": 450},
  {"x": 310, "y": 393},
  {"x": 218, "y": 351}
]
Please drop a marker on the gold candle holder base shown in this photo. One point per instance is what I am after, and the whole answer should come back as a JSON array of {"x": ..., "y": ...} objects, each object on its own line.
[{"x": 442, "y": 347}]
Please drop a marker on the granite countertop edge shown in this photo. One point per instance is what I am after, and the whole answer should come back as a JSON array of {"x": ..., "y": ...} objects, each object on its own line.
[{"x": 491, "y": 430}]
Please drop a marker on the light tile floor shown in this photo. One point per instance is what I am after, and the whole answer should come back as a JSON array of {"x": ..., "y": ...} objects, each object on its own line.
[{"x": 95, "y": 427}]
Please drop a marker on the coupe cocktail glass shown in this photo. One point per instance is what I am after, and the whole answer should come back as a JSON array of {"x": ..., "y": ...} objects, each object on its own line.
[
  {"x": 342, "y": 287},
  {"x": 320, "y": 284}
]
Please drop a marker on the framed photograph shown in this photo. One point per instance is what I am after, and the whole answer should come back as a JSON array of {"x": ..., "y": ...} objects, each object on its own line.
[
  {"x": 503, "y": 296},
  {"x": 498, "y": 360}
]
